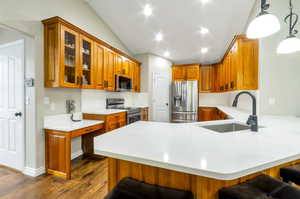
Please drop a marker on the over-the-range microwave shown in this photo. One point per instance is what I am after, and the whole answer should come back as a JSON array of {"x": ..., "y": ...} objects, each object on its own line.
[{"x": 123, "y": 83}]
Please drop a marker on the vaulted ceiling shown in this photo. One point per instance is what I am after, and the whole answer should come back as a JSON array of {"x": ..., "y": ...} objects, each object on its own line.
[{"x": 180, "y": 22}]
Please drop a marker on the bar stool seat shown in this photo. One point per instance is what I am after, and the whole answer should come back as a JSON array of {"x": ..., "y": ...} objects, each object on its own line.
[
  {"x": 129, "y": 188},
  {"x": 291, "y": 174},
  {"x": 261, "y": 187}
]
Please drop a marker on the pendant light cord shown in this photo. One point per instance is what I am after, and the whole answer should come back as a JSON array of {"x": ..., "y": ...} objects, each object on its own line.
[{"x": 292, "y": 21}]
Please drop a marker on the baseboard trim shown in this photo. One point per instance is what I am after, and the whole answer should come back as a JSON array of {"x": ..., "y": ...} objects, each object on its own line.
[
  {"x": 34, "y": 172},
  {"x": 39, "y": 171},
  {"x": 76, "y": 154}
]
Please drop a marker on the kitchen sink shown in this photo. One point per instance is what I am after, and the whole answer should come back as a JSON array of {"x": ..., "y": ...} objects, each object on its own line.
[{"x": 227, "y": 128}]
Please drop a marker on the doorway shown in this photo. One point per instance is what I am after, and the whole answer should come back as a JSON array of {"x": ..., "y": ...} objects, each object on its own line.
[
  {"x": 161, "y": 97},
  {"x": 12, "y": 128}
]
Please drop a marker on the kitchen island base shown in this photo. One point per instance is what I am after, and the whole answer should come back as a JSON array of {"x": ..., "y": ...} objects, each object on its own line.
[{"x": 202, "y": 187}]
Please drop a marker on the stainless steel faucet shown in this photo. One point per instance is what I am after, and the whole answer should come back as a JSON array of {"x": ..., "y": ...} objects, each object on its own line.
[{"x": 252, "y": 120}]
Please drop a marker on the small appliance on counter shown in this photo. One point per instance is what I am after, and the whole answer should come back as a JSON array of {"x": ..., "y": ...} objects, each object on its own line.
[
  {"x": 133, "y": 114},
  {"x": 185, "y": 101}
]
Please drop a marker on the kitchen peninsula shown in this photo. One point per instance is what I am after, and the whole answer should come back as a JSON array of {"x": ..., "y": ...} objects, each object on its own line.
[{"x": 189, "y": 157}]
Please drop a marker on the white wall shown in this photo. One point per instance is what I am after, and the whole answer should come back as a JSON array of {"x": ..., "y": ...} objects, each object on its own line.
[
  {"x": 26, "y": 16},
  {"x": 7, "y": 35},
  {"x": 153, "y": 64},
  {"x": 279, "y": 73}
]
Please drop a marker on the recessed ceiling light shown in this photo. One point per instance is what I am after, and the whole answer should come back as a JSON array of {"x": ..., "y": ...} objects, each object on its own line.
[
  {"x": 147, "y": 10},
  {"x": 204, "y": 1},
  {"x": 167, "y": 54},
  {"x": 204, "y": 50},
  {"x": 159, "y": 36},
  {"x": 203, "y": 31}
]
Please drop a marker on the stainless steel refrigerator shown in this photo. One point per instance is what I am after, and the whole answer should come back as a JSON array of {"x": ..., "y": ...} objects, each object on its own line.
[{"x": 185, "y": 101}]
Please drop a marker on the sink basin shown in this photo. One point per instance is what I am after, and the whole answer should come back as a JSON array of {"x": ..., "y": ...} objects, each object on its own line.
[{"x": 227, "y": 128}]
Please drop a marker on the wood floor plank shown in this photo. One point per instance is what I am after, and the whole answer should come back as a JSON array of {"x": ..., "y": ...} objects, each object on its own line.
[{"x": 89, "y": 181}]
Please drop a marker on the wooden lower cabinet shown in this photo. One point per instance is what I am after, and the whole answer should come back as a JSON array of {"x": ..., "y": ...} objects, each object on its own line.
[
  {"x": 145, "y": 114},
  {"x": 210, "y": 114},
  {"x": 111, "y": 122},
  {"x": 202, "y": 187},
  {"x": 58, "y": 148}
]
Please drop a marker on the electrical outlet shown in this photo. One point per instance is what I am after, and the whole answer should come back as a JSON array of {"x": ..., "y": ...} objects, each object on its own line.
[
  {"x": 46, "y": 100},
  {"x": 52, "y": 107}
]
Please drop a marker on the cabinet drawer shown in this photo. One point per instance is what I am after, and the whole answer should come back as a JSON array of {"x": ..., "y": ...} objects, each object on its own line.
[{"x": 87, "y": 130}]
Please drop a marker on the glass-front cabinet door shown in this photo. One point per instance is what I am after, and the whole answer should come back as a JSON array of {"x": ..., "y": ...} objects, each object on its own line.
[
  {"x": 87, "y": 68},
  {"x": 70, "y": 60}
]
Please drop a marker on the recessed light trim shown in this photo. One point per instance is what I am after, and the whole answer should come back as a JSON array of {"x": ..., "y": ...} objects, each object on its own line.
[
  {"x": 204, "y": 50},
  {"x": 159, "y": 36},
  {"x": 167, "y": 54},
  {"x": 148, "y": 10},
  {"x": 204, "y": 1},
  {"x": 203, "y": 31}
]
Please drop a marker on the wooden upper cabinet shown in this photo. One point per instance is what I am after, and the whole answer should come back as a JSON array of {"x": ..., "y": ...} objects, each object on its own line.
[
  {"x": 192, "y": 72},
  {"x": 178, "y": 73},
  {"x": 109, "y": 70},
  {"x": 87, "y": 67},
  {"x": 69, "y": 58},
  {"x": 206, "y": 79},
  {"x": 136, "y": 78},
  {"x": 99, "y": 66},
  {"x": 76, "y": 59},
  {"x": 248, "y": 60},
  {"x": 185, "y": 72}
]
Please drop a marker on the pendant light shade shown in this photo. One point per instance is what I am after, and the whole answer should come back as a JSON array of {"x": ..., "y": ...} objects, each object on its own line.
[
  {"x": 262, "y": 26},
  {"x": 289, "y": 45},
  {"x": 265, "y": 24}
]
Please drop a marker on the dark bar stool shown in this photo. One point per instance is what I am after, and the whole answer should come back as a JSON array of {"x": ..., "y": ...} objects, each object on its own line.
[
  {"x": 129, "y": 188},
  {"x": 261, "y": 187},
  {"x": 291, "y": 174}
]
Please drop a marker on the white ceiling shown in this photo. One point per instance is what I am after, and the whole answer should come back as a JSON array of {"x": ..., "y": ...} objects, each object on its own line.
[{"x": 179, "y": 21}]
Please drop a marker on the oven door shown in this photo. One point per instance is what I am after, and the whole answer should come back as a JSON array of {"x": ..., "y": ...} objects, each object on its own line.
[{"x": 131, "y": 118}]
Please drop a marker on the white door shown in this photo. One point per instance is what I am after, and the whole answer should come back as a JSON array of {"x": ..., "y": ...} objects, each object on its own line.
[
  {"x": 12, "y": 105},
  {"x": 161, "y": 97}
]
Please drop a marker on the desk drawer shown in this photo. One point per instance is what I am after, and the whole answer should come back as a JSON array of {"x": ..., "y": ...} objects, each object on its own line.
[{"x": 87, "y": 130}]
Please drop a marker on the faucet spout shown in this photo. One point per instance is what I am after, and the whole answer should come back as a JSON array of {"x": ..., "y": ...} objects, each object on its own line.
[{"x": 252, "y": 120}]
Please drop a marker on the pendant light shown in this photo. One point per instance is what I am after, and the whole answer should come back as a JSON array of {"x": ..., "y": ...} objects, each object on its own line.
[
  {"x": 265, "y": 24},
  {"x": 291, "y": 44}
]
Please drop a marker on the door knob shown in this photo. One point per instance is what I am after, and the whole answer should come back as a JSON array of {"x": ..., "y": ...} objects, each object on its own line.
[
  {"x": 167, "y": 104},
  {"x": 19, "y": 114}
]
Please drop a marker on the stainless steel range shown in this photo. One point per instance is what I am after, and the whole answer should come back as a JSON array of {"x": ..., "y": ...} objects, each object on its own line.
[{"x": 133, "y": 114}]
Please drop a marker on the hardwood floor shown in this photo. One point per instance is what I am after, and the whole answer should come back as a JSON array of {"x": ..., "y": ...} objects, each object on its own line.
[{"x": 89, "y": 181}]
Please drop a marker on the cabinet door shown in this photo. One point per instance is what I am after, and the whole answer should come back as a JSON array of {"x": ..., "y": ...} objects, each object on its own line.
[
  {"x": 87, "y": 66},
  {"x": 178, "y": 73},
  {"x": 192, "y": 72},
  {"x": 126, "y": 68},
  {"x": 233, "y": 66},
  {"x": 109, "y": 70},
  {"x": 206, "y": 78},
  {"x": 99, "y": 66},
  {"x": 249, "y": 54},
  {"x": 207, "y": 114},
  {"x": 70, "y": 62},
  {"x": 118, "y": 65},
  {"x": 137, "y": 78}
]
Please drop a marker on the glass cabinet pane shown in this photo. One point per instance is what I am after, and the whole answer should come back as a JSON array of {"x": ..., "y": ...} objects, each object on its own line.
[
  {"x": 70, "y": 53},
  {"x": 86, "y": 62}
]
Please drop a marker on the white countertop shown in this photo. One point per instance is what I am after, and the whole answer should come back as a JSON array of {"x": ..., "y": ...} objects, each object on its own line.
[
  {"x": 191, "y": 149},
  {"x": 104, "y": 111},
  {"x": 64, "y": 123}
]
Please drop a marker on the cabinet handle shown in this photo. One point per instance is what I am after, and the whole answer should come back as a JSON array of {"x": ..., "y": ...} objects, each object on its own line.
[{"x": 81, "y": 80}]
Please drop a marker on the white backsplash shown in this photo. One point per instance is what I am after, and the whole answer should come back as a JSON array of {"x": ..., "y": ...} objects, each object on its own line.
[{"x": 96, "y": 99}]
